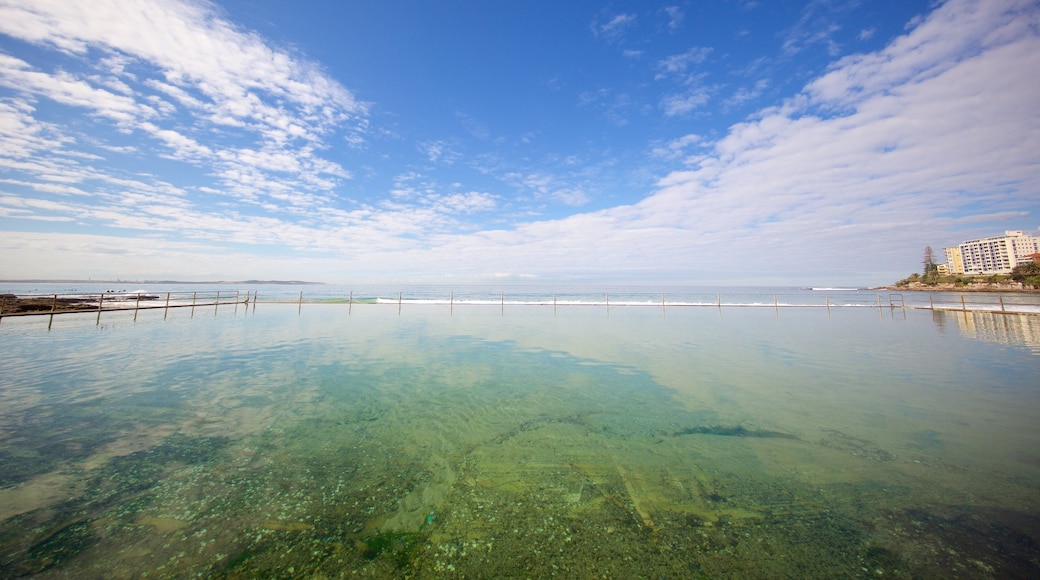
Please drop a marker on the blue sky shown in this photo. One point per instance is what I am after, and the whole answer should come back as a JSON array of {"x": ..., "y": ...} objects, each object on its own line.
[{"x": 728, "y": 142}]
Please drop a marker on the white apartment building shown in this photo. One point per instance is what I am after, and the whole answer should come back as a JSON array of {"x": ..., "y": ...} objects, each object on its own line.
[{"x": 996, "y": 255}]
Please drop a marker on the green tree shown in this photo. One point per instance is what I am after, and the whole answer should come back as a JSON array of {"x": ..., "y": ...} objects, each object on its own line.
[
  {"x": 1025, "y": 270},
  {"x": 1027, "y": 273},
  {"x": 928, "y": 260}
]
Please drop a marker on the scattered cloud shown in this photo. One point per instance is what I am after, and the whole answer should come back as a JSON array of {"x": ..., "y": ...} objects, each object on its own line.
[
  {"x": 679, "y": 65},
  {"x": 546, "y": 187},
  {"x": 611, "y": 27},
  {"x": 679, "y": 104},
  {"x": 817, "y": 25},
  {"x": 677, "y": 148},
  {"x": 745, "y": 95},
  {"x": 615, "y": 106},
  {"x": 675, "y": 17},
  {"x": 439, "y": 152},
  {"x": 476, "y": 128}
]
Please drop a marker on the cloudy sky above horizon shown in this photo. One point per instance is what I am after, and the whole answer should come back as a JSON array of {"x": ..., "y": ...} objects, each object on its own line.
[{"x": 728, "y": 142}]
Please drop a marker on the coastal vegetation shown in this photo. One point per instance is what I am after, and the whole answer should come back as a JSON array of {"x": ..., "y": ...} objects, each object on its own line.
[{"x": 1023, "y": 277}]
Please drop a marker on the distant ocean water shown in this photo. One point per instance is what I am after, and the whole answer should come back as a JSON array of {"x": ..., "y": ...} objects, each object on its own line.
[{"x": 561, "y": 295}]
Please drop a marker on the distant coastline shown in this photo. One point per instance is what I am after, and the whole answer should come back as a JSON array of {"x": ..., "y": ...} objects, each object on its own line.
[
  {"x": 974, "y": 287},
  {"x": 196, "y": 282}
]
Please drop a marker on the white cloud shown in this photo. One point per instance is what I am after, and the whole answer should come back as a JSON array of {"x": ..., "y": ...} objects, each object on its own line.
[
  {"x": 471, "y": 202},
  {"x": 684, "y": 103},
  {"x": 676, "y": 148},
  {"x": 675, "y": 17},
  {"x": 547, "y": 187},
  {"x": 817, "y": 25},
  {"x": 744, "y": 94},
  {"x": 959, "y": 30},
  {"x": 23, "y": 136},
  {"x": 64, "y": 88},
  {"x": 678, "y": 65},
  {"x": 612, "y": 27},
  {"x": 439, "y": 152},
  {"x": 178, "y": 72}
]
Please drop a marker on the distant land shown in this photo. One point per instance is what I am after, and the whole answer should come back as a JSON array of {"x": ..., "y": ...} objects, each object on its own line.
[{"x": 196, "y": 282}]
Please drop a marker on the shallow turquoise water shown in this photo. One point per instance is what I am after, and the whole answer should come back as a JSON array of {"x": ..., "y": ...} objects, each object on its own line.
[{"x": 521, "y": 442}]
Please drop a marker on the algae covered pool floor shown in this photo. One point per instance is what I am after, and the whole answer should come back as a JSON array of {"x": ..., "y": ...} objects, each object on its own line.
[{"x": 288, "y": 443}]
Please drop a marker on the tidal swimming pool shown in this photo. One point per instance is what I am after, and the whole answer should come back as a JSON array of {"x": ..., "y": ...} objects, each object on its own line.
[{"x": 280, "y": 441}]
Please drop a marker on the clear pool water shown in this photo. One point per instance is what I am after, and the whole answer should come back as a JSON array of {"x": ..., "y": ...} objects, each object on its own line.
[{"x": 431, "y": 441}]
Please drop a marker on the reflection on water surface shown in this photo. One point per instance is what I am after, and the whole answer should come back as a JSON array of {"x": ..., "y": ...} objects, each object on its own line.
[{"x": 309, "y": 442}]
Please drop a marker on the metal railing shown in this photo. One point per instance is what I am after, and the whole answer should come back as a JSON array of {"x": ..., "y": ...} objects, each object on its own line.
[
  {"x": 54, "y": 304},
  {"x": 1016, "y": 303}
]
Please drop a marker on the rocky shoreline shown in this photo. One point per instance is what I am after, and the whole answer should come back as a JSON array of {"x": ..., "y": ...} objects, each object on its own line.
[
  {"x": 974, "y": 287},
  {"x": 15, "y": 305},
  {"x": 11, "y": 304}
]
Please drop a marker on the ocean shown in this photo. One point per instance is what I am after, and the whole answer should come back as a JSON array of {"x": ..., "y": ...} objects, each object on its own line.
[
  {"x": 522, "y": 431},
  {"x": 532, "y": 294}
]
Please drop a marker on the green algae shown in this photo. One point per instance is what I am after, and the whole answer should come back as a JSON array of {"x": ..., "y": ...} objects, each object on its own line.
[
  {"x": 400, "y": 547},
  {"x": 732, "y": 431}
]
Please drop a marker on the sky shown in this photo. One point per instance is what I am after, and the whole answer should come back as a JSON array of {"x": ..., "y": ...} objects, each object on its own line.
[{"x": 802, "y": 142}]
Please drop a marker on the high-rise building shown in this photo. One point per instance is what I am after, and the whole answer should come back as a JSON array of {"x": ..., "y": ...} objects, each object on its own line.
[
  {"x": 995, "y": 255},
  {"x": 954, "y": 261}
]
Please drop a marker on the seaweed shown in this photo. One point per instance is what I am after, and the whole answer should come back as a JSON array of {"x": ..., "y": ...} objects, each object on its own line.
[
  {"x": 397, "y": 546},
  {"x": 732, "y": 431},
  {"x": 58, "y": 547}
]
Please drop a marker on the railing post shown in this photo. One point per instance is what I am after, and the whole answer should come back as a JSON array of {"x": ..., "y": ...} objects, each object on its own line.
[
  {"x": 1001, "y": 298},
  {"x": 54, "y": 305},
  {"x": 100, "y": 302},
  {"x": 137, "y": 306},
  {"x": 963, "y": 307},
  {"x": 399, "y": 303},
  {"x": 166, "y": 311},
  {"x": 350, "y": 302}
]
